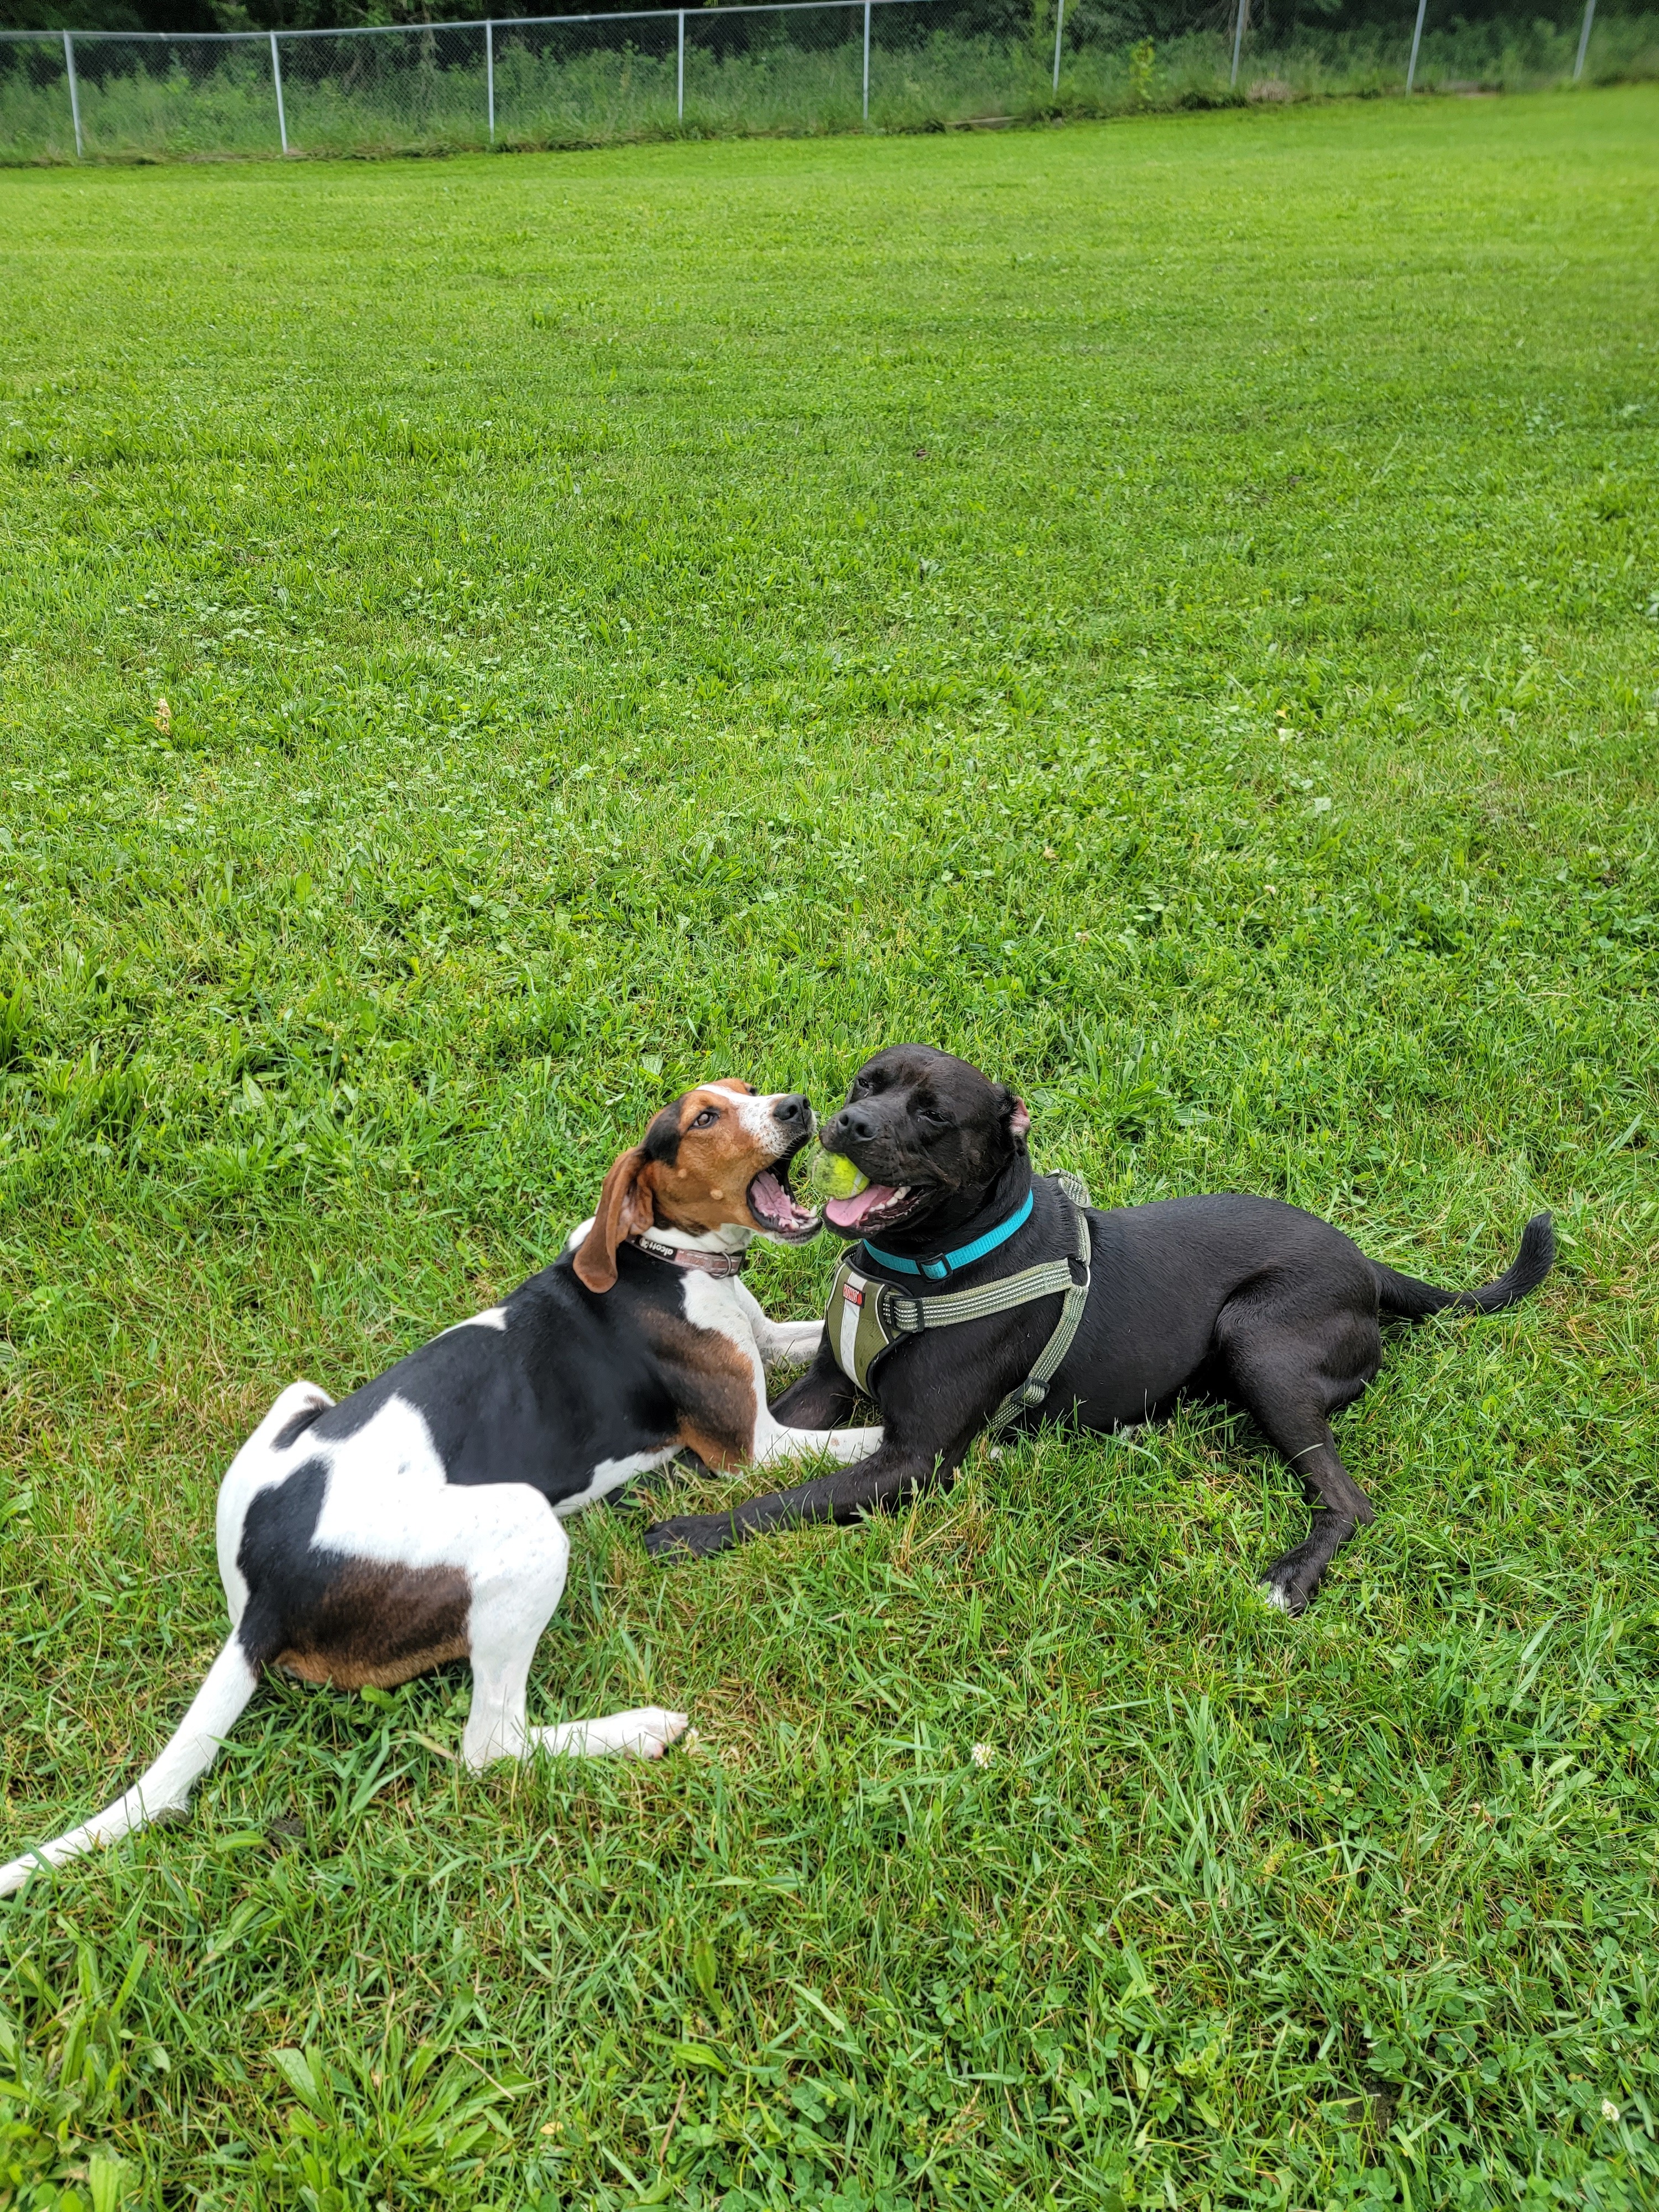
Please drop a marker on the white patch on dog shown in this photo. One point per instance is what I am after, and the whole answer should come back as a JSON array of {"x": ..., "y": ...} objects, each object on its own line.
[
  {"x": 609, "y": 1475},
  {"x": 491, "y": 1317},
  {"x": 388, "y": 1498},
  {"x": 1274, "y": 1596},
  {"x": 755, "y": 1115},
  {"x": 165, "y": 1786}
]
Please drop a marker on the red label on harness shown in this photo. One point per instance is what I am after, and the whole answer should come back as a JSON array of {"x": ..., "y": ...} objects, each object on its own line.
[{"x": 854, "y": 1298}]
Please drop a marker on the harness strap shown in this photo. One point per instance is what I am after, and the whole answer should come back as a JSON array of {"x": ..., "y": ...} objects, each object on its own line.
[
  {"x": 913, "y": 1316},
  {"x": 866, "y": 1317},
  {"x": 1035, "y": 1388}
]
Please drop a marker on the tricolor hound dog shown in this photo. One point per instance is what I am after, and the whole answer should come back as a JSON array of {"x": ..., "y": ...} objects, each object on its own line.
[{"x": 422, "y": 1519}]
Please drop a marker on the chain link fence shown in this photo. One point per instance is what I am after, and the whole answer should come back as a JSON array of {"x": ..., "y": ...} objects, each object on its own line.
[{"x": 805, "y": 66}]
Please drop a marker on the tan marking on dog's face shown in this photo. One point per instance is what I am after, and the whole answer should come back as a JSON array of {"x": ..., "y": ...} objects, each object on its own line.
[{"x": 727, "y": 1136}]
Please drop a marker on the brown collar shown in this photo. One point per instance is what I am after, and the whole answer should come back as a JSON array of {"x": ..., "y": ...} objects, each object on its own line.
[{"x": 707, "y": 1263}]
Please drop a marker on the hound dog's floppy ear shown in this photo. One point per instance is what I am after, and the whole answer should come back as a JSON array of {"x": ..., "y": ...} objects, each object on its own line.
[
  {"x": 1014, "y": 1114},
  {"x": 624, "y": 1210}
]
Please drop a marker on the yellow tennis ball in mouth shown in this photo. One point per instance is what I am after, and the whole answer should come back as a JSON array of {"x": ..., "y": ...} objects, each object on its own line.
[{"x": 832, "y": 1175}]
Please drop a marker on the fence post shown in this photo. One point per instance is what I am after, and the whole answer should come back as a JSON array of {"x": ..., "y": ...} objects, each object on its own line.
[
  {"x": 1238, "y": 38},
  {"x": 490, "y": 76},
  {"x": 276, "y": 79},
  {"x": 1417, "y": 41},
  {"x": 679, "y": 89},
  {"x": 75, "y": 91},
  {"x": 866, "y": 60},
  {"x": 1584, "y": 40},
  {"x": 1059, "y": 25}
]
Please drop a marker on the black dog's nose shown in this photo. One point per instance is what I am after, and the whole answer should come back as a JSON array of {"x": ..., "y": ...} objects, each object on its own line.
[
  {"x": 793, "y": 1111},
  {"x": 851, "y": 1122}
]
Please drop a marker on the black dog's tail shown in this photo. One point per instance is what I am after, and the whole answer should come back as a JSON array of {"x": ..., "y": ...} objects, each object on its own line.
[{"x": 1405, "y": 1296}]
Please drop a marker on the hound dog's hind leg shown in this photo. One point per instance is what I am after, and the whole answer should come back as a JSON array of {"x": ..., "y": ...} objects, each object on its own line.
[
  {"x": 515, "y": 1593},
  {"x": 644, "y": 1732}
]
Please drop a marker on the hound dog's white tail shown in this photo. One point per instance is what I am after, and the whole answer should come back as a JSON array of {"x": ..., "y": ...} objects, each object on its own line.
[{"x": 194, "y": 1747}]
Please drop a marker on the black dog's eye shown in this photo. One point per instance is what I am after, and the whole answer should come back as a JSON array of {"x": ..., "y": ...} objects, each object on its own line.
[
  {"x": 707, "y": 1119},
  {"x": 931, "y": 1114}
]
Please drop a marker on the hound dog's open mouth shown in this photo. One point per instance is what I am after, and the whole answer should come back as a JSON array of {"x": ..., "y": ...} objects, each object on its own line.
[
  {"x": 878, "y": 1206},
  {"x": 775, "y": 1205}
]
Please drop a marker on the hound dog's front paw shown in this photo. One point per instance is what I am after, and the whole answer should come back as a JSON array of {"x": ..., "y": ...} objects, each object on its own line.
[{"x": 699, "y": 1534}]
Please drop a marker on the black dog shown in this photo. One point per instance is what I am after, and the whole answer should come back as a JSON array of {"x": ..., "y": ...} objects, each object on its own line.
[{"x": 1231, "y": 1296}]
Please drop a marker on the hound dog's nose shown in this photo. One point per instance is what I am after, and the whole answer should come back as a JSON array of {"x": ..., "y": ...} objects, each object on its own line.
[{"x": 794, "y": 1112}]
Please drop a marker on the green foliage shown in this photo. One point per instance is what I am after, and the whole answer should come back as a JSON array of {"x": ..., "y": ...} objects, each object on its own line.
[
  {"x": 1169, "y": 612},
  {"x": 69, "y": 2078},
  {"x": 801, "y": 74}
]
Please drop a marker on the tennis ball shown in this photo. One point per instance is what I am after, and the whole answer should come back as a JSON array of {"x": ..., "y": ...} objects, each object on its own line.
[{"x": 832, "y": 1175}]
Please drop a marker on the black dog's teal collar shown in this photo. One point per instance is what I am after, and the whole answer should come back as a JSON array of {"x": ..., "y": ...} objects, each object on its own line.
[
  {"x": 867, "y": 1317},
  {"x": 948, "y": 1262}
]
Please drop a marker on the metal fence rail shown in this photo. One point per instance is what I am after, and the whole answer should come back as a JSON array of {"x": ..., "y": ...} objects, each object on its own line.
[{"x": 766, "y": 65}]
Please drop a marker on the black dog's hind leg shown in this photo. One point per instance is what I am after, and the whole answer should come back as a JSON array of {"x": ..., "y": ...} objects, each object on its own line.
[{"x": 1292, "y": 1375}]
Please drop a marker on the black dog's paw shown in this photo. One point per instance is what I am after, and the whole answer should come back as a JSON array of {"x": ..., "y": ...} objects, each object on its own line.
[
  {"x": 1282, "y": 1593},
  {"x": 697, "y": 1534},
  {"x": 1289, "y": 1584}
]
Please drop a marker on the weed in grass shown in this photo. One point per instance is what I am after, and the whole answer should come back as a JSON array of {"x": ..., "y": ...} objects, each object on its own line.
[{"x": 1165, "y": 613}]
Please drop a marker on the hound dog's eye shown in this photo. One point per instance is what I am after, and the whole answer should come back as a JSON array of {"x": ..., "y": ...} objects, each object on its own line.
[
  {"x": 933, "y": 1117},
  {"x": 708, "y": 1118}
]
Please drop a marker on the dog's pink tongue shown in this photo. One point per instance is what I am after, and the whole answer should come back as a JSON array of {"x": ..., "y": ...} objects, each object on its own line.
[
  {"x": 768, "y": 1193},
  {"x": 853, "y": 1212},
  {"x": 774, "y": 1202}
]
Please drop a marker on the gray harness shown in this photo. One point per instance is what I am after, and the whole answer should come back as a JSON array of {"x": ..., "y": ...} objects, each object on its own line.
[{"x": 867, "y": 1316}]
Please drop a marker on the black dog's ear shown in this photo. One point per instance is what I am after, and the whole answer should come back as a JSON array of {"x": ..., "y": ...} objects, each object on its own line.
[{"x": 1014, "y": 1114}]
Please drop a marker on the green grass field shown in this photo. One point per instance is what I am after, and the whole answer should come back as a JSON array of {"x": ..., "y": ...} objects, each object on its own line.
[{"x": 1169, "y": 612}]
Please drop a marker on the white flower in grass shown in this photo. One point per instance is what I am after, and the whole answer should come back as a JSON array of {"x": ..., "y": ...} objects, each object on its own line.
[
  {"x": 1609, "y": 2110},
  {"x": 981, "y": 1755}
]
